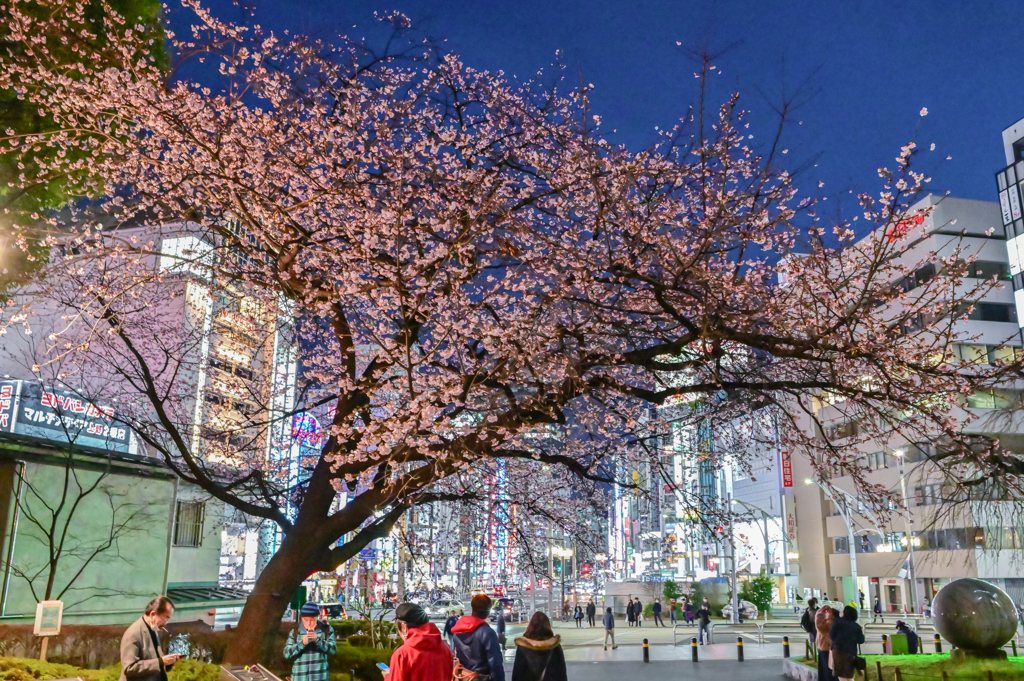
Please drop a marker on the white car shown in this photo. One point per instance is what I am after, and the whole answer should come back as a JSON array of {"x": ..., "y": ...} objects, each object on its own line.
[
  {"x": 748, "y": 609},
  {"x": 441, "y": 608}
]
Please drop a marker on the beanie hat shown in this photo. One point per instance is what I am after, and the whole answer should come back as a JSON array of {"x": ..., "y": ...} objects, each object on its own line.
[
  {"x": 411, "y": 614},
  {"x": 309, "y": 609}
]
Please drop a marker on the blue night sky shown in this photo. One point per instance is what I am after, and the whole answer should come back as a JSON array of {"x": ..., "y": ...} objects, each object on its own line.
[{"x": 869, "y": 67}]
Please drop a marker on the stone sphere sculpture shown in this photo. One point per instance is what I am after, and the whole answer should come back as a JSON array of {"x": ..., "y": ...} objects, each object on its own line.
[{"x": 974, "y": 616}]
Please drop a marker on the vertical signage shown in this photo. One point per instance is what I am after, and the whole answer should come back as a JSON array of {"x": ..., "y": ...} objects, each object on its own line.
[
  {"x": 787, "y": 470},
  {"x": 1004, "y": 205}
]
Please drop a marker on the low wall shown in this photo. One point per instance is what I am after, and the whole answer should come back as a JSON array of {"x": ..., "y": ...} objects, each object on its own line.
[{"x": 794, "y": 669}]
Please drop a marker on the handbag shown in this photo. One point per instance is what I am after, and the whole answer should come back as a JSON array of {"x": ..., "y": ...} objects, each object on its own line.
[{"x": 860, "y": 663}]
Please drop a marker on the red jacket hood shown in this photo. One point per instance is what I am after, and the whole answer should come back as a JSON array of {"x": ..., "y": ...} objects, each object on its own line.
[
  {"x": 467, "y": 624},
  {"x": 424, "y": 637}
]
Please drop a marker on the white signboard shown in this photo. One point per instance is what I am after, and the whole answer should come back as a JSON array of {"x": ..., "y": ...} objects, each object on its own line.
[
  {"x": 1004, "y": 204},
  {"x": 1014, "y": 203},
  {"x": 48, "y": 616},
  {"x": 1015, "y": 253}
]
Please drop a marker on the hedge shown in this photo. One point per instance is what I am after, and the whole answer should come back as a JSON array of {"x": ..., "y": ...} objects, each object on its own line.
[
  {"x": 21, "y": 669},
  {"x": 92, "y": 651}
]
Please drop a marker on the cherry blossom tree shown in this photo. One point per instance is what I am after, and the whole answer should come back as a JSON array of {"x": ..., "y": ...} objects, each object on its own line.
[{"x": 473, "y": 274}]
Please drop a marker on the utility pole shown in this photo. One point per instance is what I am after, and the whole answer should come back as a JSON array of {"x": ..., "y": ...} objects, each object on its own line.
[
  {"x": 551, "y": 571},
  {"x": 732, "y": 561},
  {"x": 402, "y": 556}
]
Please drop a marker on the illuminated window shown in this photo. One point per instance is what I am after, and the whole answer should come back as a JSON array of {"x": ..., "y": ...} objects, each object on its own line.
[{"x": 186, "y": 254}]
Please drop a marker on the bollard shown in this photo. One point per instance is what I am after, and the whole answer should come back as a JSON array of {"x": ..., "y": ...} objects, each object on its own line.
[
  {"x": 989, "y": 675},
  {"x": 878, "y": 668},
  {"x": 938, "y": 643},
  {"x": 739, "y": 648},
  {"x": 899, "y": 674},
  {"x": 647, "y": 652},
  {"x": 785, "y": 646},
  {"x": 945, "y": 675},
  {"x": 1013, "y": 644},
  {"x": 885, "y": 639},
  {"x": 693, "y": 648},
  {"x": 351, "y": 675}
]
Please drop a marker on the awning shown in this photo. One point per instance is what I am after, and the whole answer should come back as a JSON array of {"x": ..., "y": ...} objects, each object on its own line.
[{"x": 192, "y": 597}]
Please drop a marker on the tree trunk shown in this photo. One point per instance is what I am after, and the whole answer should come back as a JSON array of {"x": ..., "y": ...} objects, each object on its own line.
[{"x": 257, "y": 630}]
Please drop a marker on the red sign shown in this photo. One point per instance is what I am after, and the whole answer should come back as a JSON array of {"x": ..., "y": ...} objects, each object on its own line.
[{"x": 787, "y": 470}]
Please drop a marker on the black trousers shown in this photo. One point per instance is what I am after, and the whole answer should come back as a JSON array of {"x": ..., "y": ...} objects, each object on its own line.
[
  {"x": 658, "y": 620},
  {"x": 590, "y": 620},
  {"x": 824, "y": 673}
]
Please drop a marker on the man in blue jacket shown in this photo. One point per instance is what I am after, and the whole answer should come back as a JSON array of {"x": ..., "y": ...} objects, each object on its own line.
[{"x": 476, "y": 644}]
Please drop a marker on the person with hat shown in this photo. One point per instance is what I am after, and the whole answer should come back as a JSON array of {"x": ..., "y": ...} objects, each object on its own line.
[
  {"x": 309, "y": 645},
  {"x": 423, "y": 655},
  {"x": 476, "y": 645}
]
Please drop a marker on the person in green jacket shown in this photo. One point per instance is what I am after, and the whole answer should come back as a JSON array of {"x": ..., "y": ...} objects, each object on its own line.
[{"x": 309, "y": 645}]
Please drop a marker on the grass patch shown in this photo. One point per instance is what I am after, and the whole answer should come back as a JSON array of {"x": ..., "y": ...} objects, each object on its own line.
[{"x": 930, "y": 668}]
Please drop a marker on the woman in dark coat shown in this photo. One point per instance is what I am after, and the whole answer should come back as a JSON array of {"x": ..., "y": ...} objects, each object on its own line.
[
  {"x": 846, "y": 635},
  {"x": 630, "y": 613},
  {"x": 539, "y": 655}
]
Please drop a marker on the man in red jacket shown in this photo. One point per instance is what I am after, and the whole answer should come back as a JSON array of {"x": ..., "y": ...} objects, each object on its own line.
[{"x": 424, "y": 656}]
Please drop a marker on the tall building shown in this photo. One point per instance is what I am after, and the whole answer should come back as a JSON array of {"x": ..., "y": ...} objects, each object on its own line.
[
  {"x": 907, "y": 559},
  {"x": 239, "y": 371}
]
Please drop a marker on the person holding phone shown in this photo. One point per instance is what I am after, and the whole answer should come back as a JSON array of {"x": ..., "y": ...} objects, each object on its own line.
[
  {"x": 423, "y": 655},
  {"x": 309, "y": 645},
  {"x": 142, "y": 656}
]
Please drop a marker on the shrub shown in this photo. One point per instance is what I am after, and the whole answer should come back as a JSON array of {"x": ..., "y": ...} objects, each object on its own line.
[
  {"x": 362, "y": 660},
  {"x": 20, "y": 669}
]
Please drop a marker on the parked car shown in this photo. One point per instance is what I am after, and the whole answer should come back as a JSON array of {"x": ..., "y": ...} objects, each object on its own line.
[
  {"x": 440, "y": 608},
  {"x": 514, "y": 609},
  {"x": 748, "y": 610}
]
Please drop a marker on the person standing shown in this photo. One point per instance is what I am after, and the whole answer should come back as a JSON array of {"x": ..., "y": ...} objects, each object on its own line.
[
  {"x": 877, "y": 610},
  {"x": 846, "y": 635},
  {"x": 823, "y": 620},
  {"x": 688, "y": 611},
  {"x": 309, "y": 645},
  {"x": 630, "y": 613},
  {"x": 656, "y": 611},
  {"x": 423, "y": 655},
  {"x": 672, "y": 618},
  {"x": 860, "y": 598},
  {"x": 591, "y": 612},
  {"x": 499, "y": 628},
  {"x": 638, "y": 610},
  {"x": 807, "y": 621},
  {"x": 539, "y": 655},
  {"x": 476, "y": 644},
  {"x": 704, "y": 623},
  {"x": 577, "y": 615},
  {"x": 448, "y": 624},
  {"x": 142, "y": 656},
  {"x": 608, "y": 620}
]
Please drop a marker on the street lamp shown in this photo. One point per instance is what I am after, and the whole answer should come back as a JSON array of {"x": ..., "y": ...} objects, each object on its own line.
[
  {"x": 562, "y": 554},
  {"x": 765, "y": 515},
  {"x": 847, "y": 507},
  {"x": 899, "y": 455}
]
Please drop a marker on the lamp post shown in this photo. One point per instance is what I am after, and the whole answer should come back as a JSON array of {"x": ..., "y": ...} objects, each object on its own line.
[
  {"x": 563, "y": 554},
  {"x": 732, "y": 560},
  {"x": 909, "y": 527},
  {"x": 847, "y": 506},
  {"x": 765, "y": 515}
]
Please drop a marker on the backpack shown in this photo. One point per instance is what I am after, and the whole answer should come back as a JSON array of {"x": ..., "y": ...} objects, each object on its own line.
[{"x": 807, "y": 622}]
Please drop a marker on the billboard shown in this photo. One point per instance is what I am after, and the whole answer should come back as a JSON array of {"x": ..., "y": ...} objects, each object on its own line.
[{"x": 33, "y": 410}]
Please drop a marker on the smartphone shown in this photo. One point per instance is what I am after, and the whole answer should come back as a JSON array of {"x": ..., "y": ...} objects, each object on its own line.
[{"x": 383, "y": 667}]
